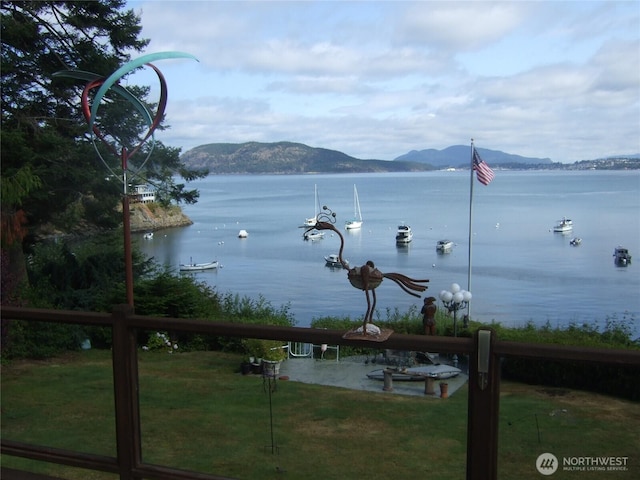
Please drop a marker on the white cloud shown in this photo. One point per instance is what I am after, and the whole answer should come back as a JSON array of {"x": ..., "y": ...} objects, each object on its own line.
[
  {"x": 377, "y": 79},
  {"x": 459, "y": 26}
]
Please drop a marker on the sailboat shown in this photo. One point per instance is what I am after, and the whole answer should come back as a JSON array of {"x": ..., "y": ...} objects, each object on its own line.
[
  {"x": 311, "y": 222},
  {"x": 357, "y": 215}
]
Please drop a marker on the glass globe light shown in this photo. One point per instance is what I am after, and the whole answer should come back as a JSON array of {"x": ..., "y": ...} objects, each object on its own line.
[
  {"x": 446, "y": 296},
  {"x": 455, "y": 288},
  {"x": 467, "y": 296},
  {"x": 458, "y": 297}
]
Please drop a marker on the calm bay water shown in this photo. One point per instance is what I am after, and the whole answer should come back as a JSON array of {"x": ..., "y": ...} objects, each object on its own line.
[{"x": 521, "y": 270}]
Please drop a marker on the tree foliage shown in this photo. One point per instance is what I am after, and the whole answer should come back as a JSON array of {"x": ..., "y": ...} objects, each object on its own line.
[
  {"x": 88, "y": 275},
  {"x": 53, "y": 180},
  {"x": 46, "y": 150}
]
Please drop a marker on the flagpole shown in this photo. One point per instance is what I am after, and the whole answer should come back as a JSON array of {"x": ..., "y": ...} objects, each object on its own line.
[{"x": 470, "y": 227}]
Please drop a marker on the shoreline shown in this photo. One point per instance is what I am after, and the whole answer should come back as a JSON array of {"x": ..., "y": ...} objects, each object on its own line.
[{"x": 152, "y": 217}]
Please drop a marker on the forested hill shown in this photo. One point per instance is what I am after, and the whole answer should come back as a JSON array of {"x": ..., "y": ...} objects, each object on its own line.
[
  {"x": 296, "y": 158},
  {"x": 285, "y": 158},
  {"x": 460, "y": 156}
]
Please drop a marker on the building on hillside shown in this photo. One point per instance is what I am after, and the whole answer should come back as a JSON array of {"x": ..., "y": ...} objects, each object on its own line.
[{"x": 143, "y": 194}]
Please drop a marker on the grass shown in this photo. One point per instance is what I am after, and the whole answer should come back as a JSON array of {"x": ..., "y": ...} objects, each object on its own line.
[{"x": 199, "y": 413}]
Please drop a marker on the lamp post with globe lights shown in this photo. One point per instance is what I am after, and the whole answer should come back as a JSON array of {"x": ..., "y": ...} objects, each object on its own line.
[{"x": 453, "y": 300}]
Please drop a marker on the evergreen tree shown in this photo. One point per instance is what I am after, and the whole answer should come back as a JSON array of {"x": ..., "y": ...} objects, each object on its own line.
[{"x": 52, "y": 172}]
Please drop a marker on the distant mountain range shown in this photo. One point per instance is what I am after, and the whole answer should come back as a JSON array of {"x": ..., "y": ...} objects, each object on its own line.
[
  {"x": 297, "y": 158},
  {"x": 460, "y": 156},
  {"x": 285, "y": 158}
]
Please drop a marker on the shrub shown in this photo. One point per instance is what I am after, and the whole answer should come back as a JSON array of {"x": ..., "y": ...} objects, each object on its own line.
[
  {"x": 41, "y": 340},
  {"x": 272, "y": 350}
]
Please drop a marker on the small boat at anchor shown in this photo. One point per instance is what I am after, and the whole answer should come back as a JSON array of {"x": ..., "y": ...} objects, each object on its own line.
[
  {"x": 575, "y": 241},
  {"x": 148, "y": 235},
  {"x": 444, "y": 246},
  {"x": 198, "y": 267},
  {"x": 356, "y": 222},
  {"x": 564, "y": 225},
  {"x": 404, "y": 234},
  {"x": 243, "y": 234},
  {"x": 311, "y": 221},
  {"x": 333, "y": 261},
  {"x": 621, "y": 256},
  {"x": 313, "y": 235}
]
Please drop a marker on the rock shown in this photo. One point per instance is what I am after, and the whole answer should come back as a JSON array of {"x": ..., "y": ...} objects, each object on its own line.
[
  {"x": 147, "y": 217},
  {"x": 371, "y": 329}
]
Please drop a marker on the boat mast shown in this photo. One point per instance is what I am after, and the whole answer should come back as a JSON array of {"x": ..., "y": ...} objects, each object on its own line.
[
  {"x": 357, "y": 214},
  {"x": 316, "y": 207}
]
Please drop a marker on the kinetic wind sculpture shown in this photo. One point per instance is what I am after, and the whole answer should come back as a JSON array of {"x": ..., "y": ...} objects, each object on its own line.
[
  {"x": 90, "y": 112},
  {"x": 367, "y": 278}
]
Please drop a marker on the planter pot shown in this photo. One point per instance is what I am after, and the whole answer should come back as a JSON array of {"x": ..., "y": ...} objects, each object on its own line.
[
  {"x": 428, "y": 386},
  {"x": 245, "y": 368},
  {"x": 270, "y": 368},
  {"x": 444, "y": 390},
  {"x": 256, "y": 368}
]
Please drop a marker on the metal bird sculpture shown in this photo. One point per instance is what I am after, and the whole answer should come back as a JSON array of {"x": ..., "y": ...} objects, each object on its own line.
[{"x": 366, "y": 277}]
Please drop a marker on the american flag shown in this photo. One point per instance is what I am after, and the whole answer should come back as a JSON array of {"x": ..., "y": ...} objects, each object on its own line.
[{"x": 483, "y": 171}]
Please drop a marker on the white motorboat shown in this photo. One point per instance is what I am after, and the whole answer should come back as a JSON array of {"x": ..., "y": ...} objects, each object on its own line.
[
  {"x": 444, "y": 246},
  {"x": 416, "y": 374},
  {"x": 313, "y": 235},
  {"x": 198, "y": 267},
  {"x": 575, "y": 241},
  {"x": 333, "y": 260},
  {"x": 356, "y": 222},
  {"x": 404, "y": 234},
  {"x": 243, "y": 234},
  {"x": 621, "y": 256},
  {"x": 148, "y": 235},
  {"x": 564, "y": 225}
]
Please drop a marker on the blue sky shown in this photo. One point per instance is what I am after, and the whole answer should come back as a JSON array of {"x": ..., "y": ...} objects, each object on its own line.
[{"x": 558, "y": 80}]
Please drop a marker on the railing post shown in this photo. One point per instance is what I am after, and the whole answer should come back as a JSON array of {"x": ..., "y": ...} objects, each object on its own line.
[
  {"x": 125, "y": 384},
  {"x": 483, "y": 408}
]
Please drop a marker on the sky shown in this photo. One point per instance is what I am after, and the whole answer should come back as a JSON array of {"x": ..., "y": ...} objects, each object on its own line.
[{"x": 378, "y": 79}]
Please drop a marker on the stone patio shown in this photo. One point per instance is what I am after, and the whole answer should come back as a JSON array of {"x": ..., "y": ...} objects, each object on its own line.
[{"x": 351, "y": 372}]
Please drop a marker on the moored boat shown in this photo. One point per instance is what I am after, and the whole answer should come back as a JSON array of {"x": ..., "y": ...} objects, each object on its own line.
[
  {"x": 444, "y": 246},
  {"x": 197, "y": 267},
  {"x": 575, "y": 241},
  {"x": 148, "y": 235},
  {"x": 243, "y": 234},
  {"x": 621, "y": 256},
  {"x": 313, "y": 235},
  {"x": 311, "y": 221},
  {"x": 404, "y": 234},
  {"x": 564, "y": 225},
  {"x": 356, "y": 222},
  {"x": 333, "y": 260}
]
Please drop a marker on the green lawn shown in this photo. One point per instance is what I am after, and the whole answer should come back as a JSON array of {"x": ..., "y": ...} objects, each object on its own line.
[{"x": 199, "y": 413}]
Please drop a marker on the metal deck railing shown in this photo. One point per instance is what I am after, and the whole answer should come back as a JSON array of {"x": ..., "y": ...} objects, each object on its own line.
[{"x": 484, "y": 351}]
